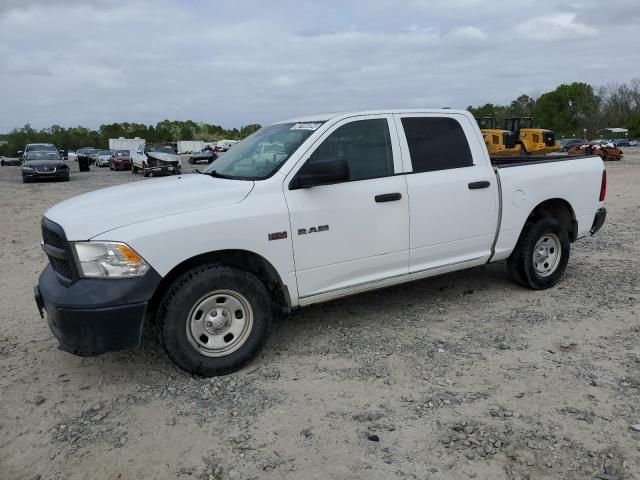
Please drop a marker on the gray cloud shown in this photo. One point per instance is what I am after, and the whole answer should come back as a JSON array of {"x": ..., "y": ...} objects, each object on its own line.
[{"x": 88, "y": 63}]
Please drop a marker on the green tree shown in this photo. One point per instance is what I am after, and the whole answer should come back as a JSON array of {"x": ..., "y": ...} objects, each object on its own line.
[{"x": 568, "y": 109}]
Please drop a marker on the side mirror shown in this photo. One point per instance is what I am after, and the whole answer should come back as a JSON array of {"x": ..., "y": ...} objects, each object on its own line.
[{"x": 321, "y": 173}]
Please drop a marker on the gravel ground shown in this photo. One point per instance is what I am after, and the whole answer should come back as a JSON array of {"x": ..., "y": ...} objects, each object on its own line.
[{"x": 460, "y": 376}]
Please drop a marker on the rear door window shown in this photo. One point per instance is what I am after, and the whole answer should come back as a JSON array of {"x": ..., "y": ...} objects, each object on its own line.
[{"x": 436, "y": 143}]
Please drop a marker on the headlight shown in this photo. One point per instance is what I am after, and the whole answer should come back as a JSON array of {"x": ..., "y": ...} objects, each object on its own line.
[
  {"x": 109, "y": 260},
  {"x": 27, "y": 169}
]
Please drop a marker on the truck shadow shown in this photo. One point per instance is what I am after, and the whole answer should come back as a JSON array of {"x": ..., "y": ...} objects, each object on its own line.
[{"x": 372, "y": 312}]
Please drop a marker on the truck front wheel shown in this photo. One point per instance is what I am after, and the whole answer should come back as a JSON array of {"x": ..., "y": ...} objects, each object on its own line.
[
  {"x": 541, "y": 254},
  {"x": 214, "y": 319}
]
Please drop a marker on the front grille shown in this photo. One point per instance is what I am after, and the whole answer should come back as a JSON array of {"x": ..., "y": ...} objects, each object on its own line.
[
  {"x": 549, "y": 139},
  {"x": 57, "y": 249},
  {"x": 509, "y": 139},
  {"x": 52, "y": 238},
  {"x": 61, "y": 266}
]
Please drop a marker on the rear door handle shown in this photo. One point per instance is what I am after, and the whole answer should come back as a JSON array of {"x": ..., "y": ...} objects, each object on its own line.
[
  {"x": 480, "y": 184},
  {"x": 388, "y": 197}
]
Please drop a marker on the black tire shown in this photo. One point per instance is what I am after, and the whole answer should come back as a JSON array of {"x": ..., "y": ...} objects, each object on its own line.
[
  {"x": 184, "y": 295},
  {"x": 145, "y": 171},
  {"x": 521, "y": 263}
]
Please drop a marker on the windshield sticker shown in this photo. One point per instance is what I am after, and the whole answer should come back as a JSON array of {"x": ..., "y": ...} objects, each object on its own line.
[{"x": 307, "y": 126}]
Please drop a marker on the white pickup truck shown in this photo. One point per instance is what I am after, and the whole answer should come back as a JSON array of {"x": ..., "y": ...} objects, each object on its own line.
[
  {"x": 360, "y": 201},
  {"x": 152, "y": 158}
]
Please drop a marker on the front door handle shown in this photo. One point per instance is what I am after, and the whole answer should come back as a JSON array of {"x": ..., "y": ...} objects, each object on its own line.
[
  {"x": 480, "y": 184},
  {"x": 388, "y": 197}
]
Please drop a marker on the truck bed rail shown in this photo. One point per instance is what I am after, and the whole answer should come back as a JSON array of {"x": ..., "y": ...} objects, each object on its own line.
[{"x": 504, "y": 162}]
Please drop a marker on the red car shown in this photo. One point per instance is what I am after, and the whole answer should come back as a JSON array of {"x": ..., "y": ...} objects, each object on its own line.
[{"x": 120, "y": 160}]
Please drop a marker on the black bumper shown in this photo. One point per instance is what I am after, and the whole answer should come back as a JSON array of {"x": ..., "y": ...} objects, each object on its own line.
[
  {"x": 598, "y": 221},
  {"x": 164, "y": 169},
  {"x": 94, "y": 316},
  {"x": 59, "y": 175}
]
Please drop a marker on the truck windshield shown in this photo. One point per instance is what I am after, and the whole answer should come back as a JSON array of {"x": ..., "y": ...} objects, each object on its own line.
[{"x": 262, "y": 153}]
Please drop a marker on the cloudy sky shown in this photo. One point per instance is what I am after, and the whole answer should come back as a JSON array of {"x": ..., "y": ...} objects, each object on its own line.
[{"x": 83, "y": 62}]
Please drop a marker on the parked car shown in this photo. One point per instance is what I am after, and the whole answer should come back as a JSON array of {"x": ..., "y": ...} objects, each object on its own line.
[
  {"x": 620, "y": 142},
  {"x": 93, "y": 156},
  {"x": 120, "y": 160},
  {"x": 41, "y": 165},
  {"x": 360, "y": 201},
  {"x": 206, "y": 156},
  {"x": 72, "y": 156},
  {"x": 103, "y": 158},
  {"x": 603, "y": 149},
  {"x": 154, "y": 158},
  {"x": 567, "y": 143},
  {"x": 37, "y": 147}
]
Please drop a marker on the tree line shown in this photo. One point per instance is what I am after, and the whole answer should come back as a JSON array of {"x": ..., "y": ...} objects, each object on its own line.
[
  {"x": 573, "y": 109},
  {"x": 570, "y": 110},
  {"x": 77, "y": 137}
]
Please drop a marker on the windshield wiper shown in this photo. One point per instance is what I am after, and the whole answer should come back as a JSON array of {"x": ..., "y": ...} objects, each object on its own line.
[{"x": 213, "y": 173}]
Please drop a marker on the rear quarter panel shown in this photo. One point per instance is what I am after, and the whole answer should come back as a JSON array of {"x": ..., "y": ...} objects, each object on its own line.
[{"x": 524, "y": 187}]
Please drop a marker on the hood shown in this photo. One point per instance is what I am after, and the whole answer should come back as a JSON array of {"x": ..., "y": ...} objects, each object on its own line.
[
  {"x": 44, "y": 163},
  {"x": 163, "y": 156},
  {"x": 91, "y": 214}
]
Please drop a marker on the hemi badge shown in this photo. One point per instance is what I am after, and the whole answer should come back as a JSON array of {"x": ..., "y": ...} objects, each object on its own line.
[{"x": 277, "y": 236}]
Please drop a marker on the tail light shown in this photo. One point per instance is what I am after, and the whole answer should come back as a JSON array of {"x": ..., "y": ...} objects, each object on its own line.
[{"x": 603, "y": 186}]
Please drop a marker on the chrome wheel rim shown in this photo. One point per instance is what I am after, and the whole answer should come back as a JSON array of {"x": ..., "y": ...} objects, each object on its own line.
[
  {"x": 546, "y": 254},
  {"x": 219, "y": 323}
]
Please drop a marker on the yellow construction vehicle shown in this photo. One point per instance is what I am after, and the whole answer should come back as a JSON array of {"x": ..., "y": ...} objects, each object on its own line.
[
  {"x": 533, "y": 141},
  {"x": 499, "y": 142}
]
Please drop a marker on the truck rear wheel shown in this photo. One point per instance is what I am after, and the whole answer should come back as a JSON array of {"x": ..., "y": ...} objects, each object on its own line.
[
  {"x": 215, "y": 319},
  {"x": 541, "y": 254}
]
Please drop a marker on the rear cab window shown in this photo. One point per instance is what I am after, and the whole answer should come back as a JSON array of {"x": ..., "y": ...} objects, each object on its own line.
[{"x": 436, "y": 143}]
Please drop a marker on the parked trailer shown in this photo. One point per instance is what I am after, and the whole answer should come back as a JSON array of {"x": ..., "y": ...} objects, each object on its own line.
[{"x": 190, "y": 146}]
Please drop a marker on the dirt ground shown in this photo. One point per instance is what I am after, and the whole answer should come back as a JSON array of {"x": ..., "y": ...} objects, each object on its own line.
[{"x": 460, "y": 376}]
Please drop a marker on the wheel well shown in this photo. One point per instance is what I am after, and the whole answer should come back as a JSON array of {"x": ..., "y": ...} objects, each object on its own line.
[
  {"x": 240, "y": 259},
  {"x": 560, "y": 210}
]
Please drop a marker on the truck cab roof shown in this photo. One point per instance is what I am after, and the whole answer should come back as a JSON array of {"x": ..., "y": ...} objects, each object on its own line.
[{"x": 323, "y": 117}]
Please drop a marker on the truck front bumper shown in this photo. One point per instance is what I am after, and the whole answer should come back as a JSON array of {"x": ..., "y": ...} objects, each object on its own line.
[
  {"x": 166, "y": 169},
  {"x": 94, "y": 316},
  {"x": 598, "y": 220}
]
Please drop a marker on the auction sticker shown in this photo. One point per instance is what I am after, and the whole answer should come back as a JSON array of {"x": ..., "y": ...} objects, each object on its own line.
[{"x": 307, "y": 126}]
